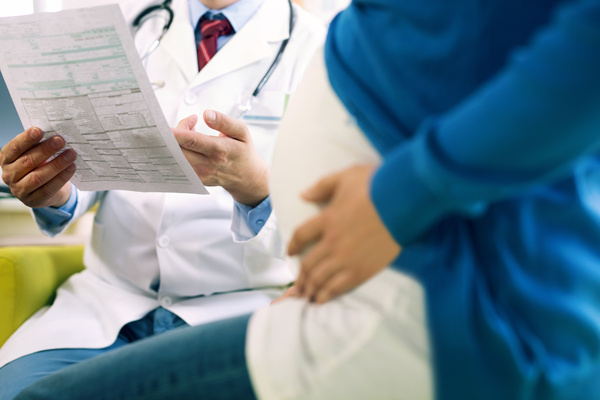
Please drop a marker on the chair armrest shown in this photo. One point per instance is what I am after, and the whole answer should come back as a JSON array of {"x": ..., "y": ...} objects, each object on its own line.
[{"x": 29, "y": 277}]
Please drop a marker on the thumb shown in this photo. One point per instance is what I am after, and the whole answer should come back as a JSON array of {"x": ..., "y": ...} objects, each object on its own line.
[
  {"x": 188, "y": 124},
  {"x": 227, "y": 126},
  {"x": 323, "y": 190}
]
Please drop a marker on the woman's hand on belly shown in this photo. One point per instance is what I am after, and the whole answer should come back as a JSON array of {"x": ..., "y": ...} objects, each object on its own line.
[
  {"x": 290, "y": 293},
  {"x": 350, "y": 243}
]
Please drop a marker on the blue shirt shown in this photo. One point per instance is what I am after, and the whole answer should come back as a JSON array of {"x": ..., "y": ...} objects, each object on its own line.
[
  {"x": 52, "y": 219},
  {"x": 237, "y": 13},
  {"x": 487, "y": 115}
]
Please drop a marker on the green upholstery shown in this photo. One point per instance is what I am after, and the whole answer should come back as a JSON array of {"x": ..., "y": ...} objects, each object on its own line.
[{"x": 29, "y": 277}]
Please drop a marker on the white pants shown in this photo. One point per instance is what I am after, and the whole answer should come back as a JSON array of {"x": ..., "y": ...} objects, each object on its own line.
[{"x": 368, "y": 344}]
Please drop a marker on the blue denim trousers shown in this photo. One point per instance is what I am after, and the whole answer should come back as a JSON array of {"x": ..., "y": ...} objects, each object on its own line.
[
  {"x": 22, "y": 372},
  {"x": 207, "y": 361}
]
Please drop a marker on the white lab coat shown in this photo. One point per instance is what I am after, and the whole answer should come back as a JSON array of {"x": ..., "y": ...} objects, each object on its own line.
[{"x": 210, "y": 264}]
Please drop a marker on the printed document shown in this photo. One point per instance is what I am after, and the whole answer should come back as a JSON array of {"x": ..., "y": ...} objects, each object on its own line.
[{"x": 77, "y": 74}]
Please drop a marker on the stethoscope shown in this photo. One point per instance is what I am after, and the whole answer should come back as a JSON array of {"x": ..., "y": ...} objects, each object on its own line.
[{"x": 162, "y": 14}]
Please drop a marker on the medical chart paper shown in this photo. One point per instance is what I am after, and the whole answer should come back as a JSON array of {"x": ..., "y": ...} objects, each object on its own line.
[{"x": 77, "y": 74}]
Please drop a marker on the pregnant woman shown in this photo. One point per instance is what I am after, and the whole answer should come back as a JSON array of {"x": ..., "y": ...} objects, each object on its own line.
[{"x": 479, "y": 159}]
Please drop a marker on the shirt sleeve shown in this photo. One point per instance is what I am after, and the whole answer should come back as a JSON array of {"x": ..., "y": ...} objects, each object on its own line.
[
  {"x": 255, "y": 217},
  {"x": 51, "y": 219},
  {"x": 508, "y": 136}
]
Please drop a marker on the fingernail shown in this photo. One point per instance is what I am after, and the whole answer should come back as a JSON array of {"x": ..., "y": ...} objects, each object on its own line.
[
  {"x": 211, "y": 116},
  {"x": 70, "y": 156},
  {"x": 56, "y": 143},
  {"x": 71, "y": 168},
  {"x": 35, "y": 134}
]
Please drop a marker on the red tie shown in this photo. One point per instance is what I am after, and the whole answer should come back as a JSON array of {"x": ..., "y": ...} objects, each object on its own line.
[{"x": 211, "y": 30}]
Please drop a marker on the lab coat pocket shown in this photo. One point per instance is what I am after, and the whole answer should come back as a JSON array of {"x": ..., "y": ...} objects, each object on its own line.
[
  {"x": 263, "y": 120},
  {"x": 267, "y": 108}
]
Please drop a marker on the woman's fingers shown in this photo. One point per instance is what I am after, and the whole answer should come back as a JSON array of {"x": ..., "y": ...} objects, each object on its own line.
[
  {"x": 337, "y": 284},
  {"x": 305, "y": 235},
  {"x": 291, "y": 292},
  {"x": 320, "y": 275},
  {"x": 312, "y": 258},
  {"x": 323, "y": 190},
  {"x": 352, "y": 243}
]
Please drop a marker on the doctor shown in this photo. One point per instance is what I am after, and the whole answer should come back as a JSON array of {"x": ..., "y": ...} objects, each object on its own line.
[{"x": 158, "y": 261}]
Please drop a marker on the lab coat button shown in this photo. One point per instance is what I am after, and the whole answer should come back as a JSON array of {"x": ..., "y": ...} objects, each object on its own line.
[
  {"x": 190, "y": 98},
  {"x": 164, "y": 241},
  {"x": 260, "y": 221},
  {"x": 166, "y": 301}
]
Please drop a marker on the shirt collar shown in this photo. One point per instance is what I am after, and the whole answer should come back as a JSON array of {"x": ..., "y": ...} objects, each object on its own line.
[{"x": 238, "y": 13}]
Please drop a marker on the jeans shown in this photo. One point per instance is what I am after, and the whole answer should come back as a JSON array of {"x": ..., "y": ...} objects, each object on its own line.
[
  {"x": 203, "y": 362},
  {"x": 22, "y": 372}
]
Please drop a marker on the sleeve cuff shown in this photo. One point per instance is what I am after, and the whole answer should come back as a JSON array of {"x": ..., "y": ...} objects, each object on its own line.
[
  {"x": 255, "y": 217},
  {"x": 405, "y": 205},
  {"x": 52, "y": 219}
]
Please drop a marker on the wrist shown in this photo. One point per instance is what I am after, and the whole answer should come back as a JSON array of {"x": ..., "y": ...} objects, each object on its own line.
[
  {"x": 251, "y": 197},
  {"x": 252, "y": 190},
  {"x": 62, "y": 197}
]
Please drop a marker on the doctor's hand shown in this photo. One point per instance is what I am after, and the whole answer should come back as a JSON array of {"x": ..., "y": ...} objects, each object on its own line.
[
  {"x": 349, "y": 242},
  {"x": 31, "y": 179},
  {"x": 229, "y": 160}
]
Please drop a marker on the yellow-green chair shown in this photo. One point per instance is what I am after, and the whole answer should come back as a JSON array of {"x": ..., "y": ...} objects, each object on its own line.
[{"x": 29, "y": 277}]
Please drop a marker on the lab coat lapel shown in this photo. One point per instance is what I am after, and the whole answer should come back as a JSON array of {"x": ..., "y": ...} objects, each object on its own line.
[
  {"x": 251, "y": 43},
  {"x": 179, "y": 41}
]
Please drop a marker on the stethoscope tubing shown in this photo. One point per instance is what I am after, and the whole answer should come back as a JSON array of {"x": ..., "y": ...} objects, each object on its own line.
[{"x": 166, "y": 6}]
